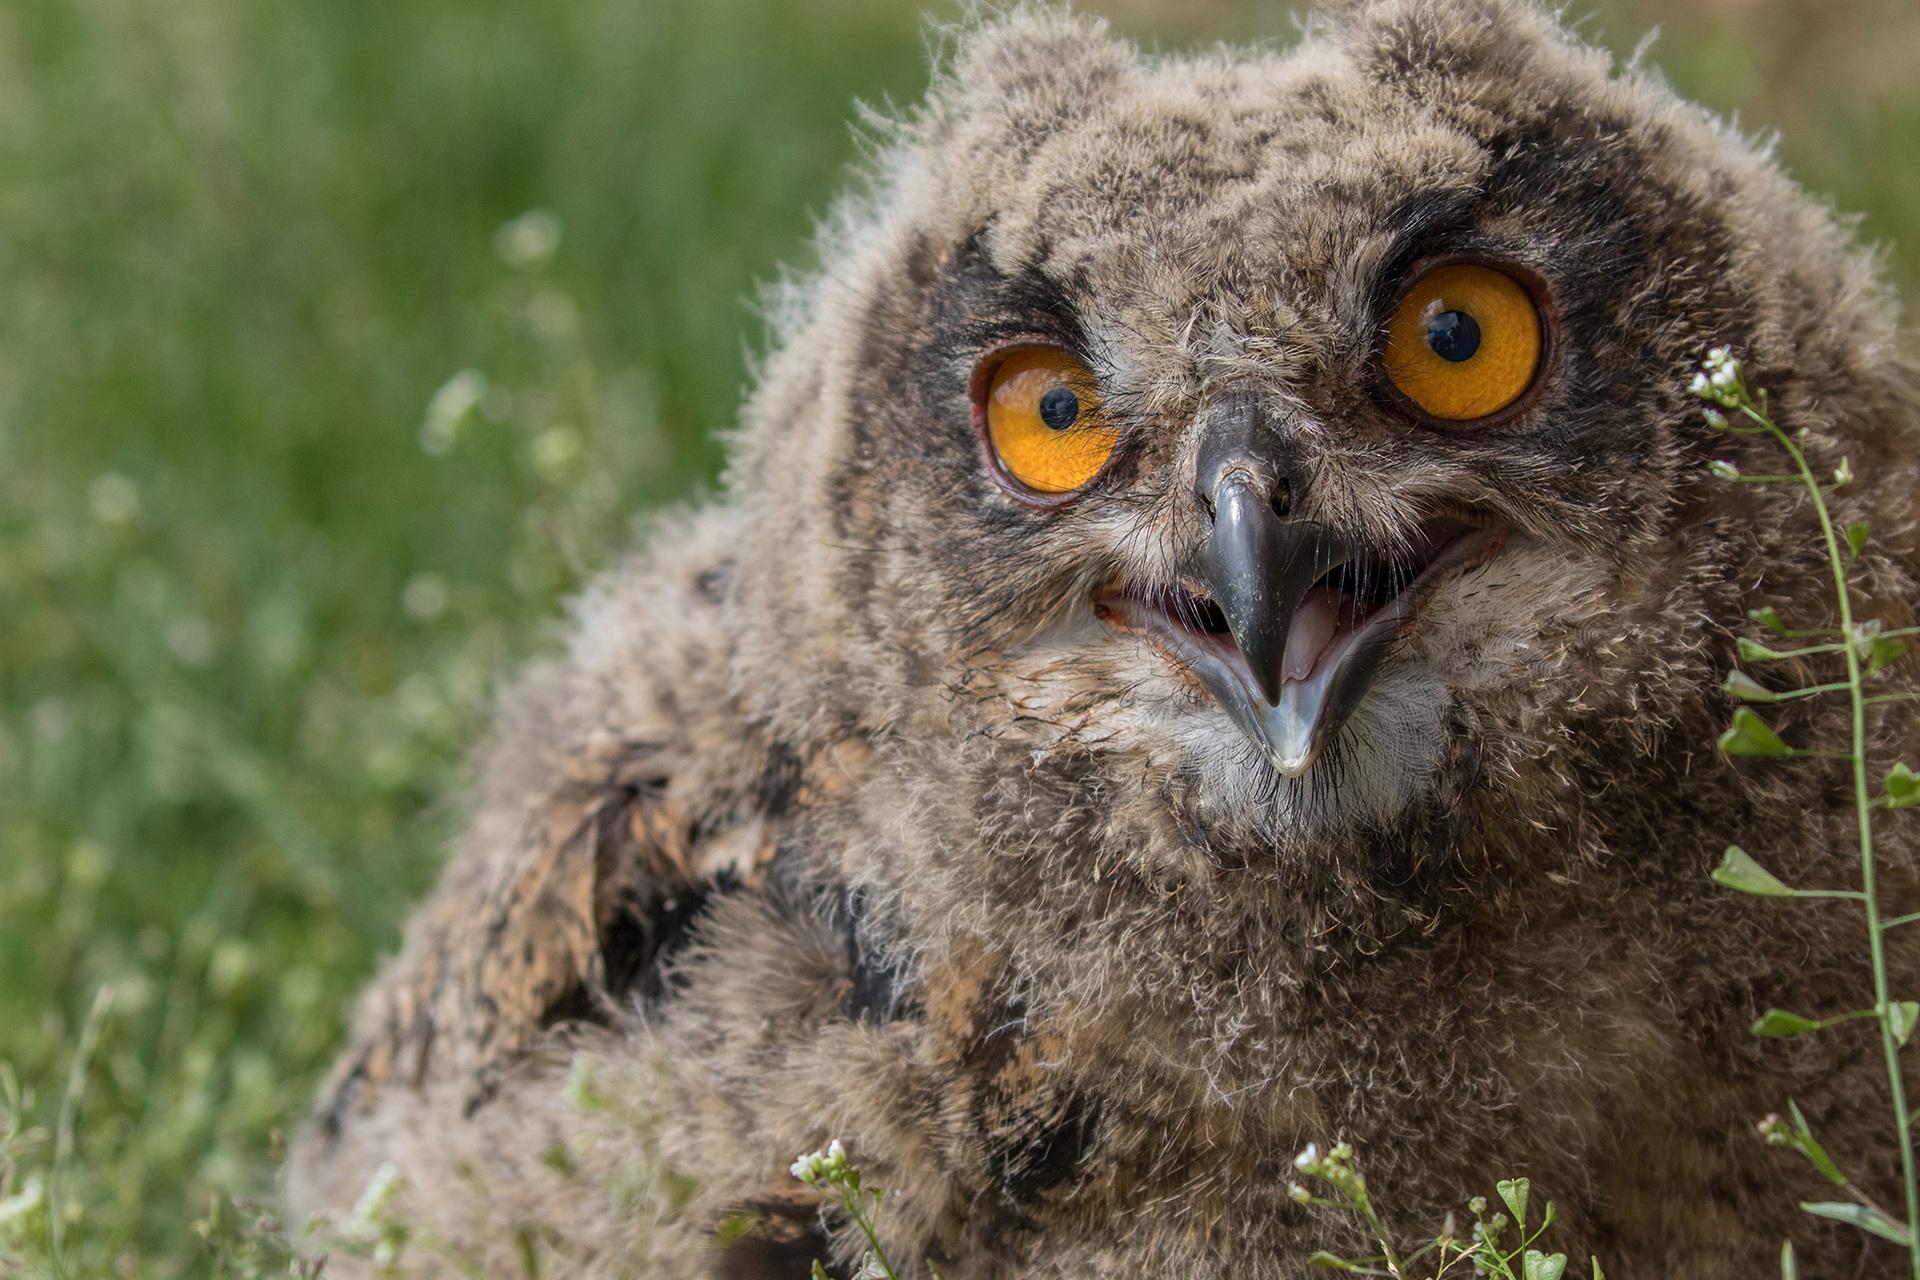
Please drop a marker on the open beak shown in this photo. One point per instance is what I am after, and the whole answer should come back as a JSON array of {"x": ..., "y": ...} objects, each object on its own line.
[
  {"x": 1286, "y": 621},
  {"x": 1259, "y": 568}
]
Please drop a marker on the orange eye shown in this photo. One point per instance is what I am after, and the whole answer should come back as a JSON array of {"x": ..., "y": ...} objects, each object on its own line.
[
  {"x": 1465, "y": 342},
  {"x": 1043, "y": 420}
]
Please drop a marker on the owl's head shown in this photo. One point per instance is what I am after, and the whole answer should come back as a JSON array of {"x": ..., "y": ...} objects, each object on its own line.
[{"x": 1305, "y": 429}]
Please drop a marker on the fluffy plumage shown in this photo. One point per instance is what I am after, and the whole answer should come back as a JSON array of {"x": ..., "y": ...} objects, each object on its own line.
[{"x": 843, "y": 814}]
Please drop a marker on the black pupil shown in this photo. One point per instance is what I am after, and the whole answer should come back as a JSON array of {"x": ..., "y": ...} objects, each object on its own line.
[
  {"x": 1453, "y": 335},
  {"x": 1059, "y": 407}
]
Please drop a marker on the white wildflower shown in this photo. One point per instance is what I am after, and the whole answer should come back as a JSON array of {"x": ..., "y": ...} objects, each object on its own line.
[
  {"x": 19, "y": 1207},
  {"x": 191, "y": 641},
  {"x": 424, "y": 597},
  {"x": 556, "y": 452},
  {"x": 829, "y": 1163},
  {"x": 529, "y": 239},
  {"x": 449, "y": 410},
  {"x": 113, "y": 499}
]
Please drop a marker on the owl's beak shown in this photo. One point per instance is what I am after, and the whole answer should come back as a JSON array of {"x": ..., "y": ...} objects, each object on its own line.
[
  {"x": 1286, "y": 620},
  {"x": 1260, "y": 566},
  {"x": 1303, "y": 614}
]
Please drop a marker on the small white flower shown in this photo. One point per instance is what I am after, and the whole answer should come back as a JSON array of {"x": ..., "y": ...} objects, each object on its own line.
[
  {"x": 1699, "y": 384},
  {"x": 1715, "y": 419},
  {"x": 555, "y": 453},
  {"x": 425, "y": 597},
  {"x": 449, "y": 410},
  {"x": 114, "y": 499},
  {"x": 191, "y": 641},
  {"x": 15, "y": 1208},
  {"x": 528, "y": 239},
  {"x": 1308, "y": 1157}
]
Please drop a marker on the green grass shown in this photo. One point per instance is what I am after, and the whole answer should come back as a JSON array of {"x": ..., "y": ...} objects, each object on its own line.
[{"x": 248, "y": 622}]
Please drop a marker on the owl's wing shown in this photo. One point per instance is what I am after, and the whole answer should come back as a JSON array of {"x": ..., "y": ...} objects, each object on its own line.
[{"x": 618, "y": 790}]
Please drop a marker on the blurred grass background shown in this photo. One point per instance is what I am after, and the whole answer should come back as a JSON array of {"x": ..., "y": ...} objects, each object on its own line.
[{"x": 340, "y": 339}]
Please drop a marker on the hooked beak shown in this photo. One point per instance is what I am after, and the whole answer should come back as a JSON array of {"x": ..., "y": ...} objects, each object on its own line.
[
  {"x": 1293, "y": 618},
  {"x": 1259, "y": 566}
]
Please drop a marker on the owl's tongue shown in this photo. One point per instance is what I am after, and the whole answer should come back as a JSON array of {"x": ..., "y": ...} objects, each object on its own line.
[{"x": 1313, "y": 626}]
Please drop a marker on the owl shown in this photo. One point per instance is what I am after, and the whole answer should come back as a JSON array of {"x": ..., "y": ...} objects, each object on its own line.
[{"x": 1211, "y": 638}]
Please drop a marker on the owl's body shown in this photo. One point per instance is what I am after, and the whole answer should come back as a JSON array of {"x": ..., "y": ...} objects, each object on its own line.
[{"x": 872, "y": 802}]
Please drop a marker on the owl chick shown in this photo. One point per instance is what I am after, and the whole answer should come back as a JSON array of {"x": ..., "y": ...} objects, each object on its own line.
[{"x": 1211, "y": 639}]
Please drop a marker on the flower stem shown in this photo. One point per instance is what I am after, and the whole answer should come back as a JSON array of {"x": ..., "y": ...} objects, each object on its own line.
[{"x": 1863, "y": 809}]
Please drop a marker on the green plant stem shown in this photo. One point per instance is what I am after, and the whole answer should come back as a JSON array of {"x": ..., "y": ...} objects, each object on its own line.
[
  {"x": 866, "y": 1228},
  {"x": 1809, "y": 650},
  {"x": 63, "y": 1129},
  {"x": 1863, "y": 811},
  {"x": 1364, "y": 1202},
  {"x": 1836, "y": 687}
]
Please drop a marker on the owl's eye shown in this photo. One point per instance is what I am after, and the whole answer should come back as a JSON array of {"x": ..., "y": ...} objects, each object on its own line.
[
  {"x": 1465, "y": 342},
  {"x": 1043, "y": 420}
]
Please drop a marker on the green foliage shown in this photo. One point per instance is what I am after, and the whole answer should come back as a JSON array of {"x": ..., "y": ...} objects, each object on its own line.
[
  {"x": 831, "y": 1173},
  {"x": 1753, "y": 651},
  {"x": 1740, "y": 872},
  {"x": 1867, "y": 650},
  {"x": 1499, "y": 1246},
  {"x": 308, "y": 426},
  {"x": 343, "y": 338},
  {"x": 1900, "y": 789},
  {"x": 1749, "y": 735},
  {"x": 1799, "y": 1137},
  {"x": 1745, "y": 687},
  {"x": 1865, "y": 1217},
  {"x": 1779, "y": 1022}
]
